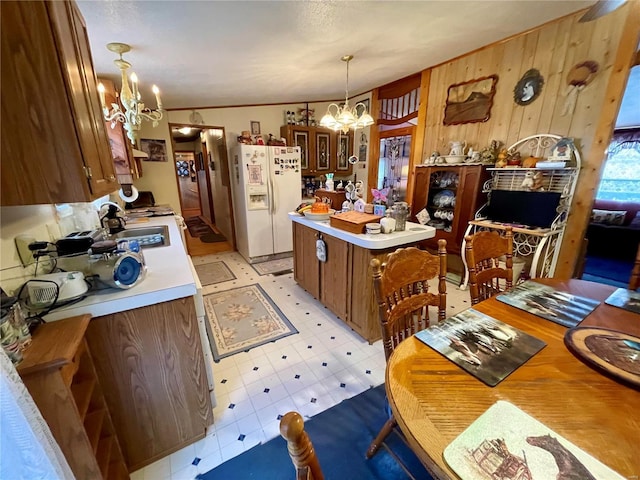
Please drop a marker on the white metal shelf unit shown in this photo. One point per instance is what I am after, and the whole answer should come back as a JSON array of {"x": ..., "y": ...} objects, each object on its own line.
[{"x": 542, "y": 245}]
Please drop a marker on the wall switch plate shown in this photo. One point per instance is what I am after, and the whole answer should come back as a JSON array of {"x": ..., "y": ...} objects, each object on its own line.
[{"x": 22, "y": 246}]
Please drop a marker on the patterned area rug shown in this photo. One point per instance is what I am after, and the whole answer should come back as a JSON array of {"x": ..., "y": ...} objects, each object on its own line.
[
  {"x": 274, "y": 267},
  {"x": 243, "y": 318},
  {"x": 215, "y": 272}
]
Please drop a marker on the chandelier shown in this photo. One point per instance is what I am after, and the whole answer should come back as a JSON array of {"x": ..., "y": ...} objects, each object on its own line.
[
  {"x": 345, "y": 117},
  {"x": 131, "y": 111}
]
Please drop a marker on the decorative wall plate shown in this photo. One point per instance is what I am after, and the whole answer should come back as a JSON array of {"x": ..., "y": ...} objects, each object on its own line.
[{"x": 528, "y": 88}]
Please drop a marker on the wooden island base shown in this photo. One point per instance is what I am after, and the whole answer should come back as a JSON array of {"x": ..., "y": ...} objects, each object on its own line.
[{"x": 343, "y": 283}]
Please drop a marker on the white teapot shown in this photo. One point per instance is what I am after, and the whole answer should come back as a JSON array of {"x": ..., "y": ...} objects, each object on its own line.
[{"x": 457, "y": 148}]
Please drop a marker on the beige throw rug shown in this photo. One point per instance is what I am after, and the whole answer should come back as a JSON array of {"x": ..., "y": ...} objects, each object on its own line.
[
  {"x": 243, "y": 318},
  {"x": 274, "y": 267},
  {"x": 214, "y": 272}
]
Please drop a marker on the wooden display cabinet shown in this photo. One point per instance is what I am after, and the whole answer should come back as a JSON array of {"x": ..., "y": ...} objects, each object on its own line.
[
  {"x": 59, "y": 373},
  {"x": 54, "y": 142},
  {"x": 451, "y": 195},
  {"x": 322, "y": 150}
]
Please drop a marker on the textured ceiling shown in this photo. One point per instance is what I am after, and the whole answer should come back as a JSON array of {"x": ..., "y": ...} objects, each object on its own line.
[{"x": 216, "y": 53}]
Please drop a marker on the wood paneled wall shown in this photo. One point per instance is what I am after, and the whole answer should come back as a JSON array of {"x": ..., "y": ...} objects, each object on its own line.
[{"x": 553, "y": 49}]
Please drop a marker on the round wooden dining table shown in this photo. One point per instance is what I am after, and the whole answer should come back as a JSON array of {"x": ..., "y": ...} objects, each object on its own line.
[{"x": 434, "y": 400}]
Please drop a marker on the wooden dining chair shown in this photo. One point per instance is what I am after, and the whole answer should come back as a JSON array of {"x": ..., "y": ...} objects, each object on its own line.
[
  {"x": 634, "y": 281},
  {"x": 403, "y": 297},
  {"x": 483, "y": 251},
  {"x": 301, "y": 450}
]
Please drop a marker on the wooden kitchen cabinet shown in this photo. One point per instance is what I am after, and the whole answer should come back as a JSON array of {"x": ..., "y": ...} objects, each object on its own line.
[
  {"x": 334, "y": 276},
  {"x": 322, "y": 149},
  {"x": 59, "y": 373},
  {"x": 343, "y": 283},
  {"x": 451, "y": 195},
  {"x": 151, "y": 365},
  {"x": 124, "y": 162},
  {"x": 54, "y": 143},
  {"x": 306, "y": 267}
]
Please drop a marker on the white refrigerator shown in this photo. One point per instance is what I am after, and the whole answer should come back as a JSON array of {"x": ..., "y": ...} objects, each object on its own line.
[{"x": 265, "y": 184}]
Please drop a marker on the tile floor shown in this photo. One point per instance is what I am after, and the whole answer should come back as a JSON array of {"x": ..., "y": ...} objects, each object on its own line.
[{"x": 309, "y": 372}]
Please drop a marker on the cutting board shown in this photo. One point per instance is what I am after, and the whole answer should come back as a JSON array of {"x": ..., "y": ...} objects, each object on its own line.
[{"x": 353, "y": 222}]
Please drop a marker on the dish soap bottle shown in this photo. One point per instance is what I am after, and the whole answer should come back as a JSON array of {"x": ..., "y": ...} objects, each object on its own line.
[{"x": 388, "y": 223}]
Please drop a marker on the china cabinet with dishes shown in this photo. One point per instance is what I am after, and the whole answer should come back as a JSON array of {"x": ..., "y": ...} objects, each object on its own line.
[
  {"x": 322, "y": 149},
  {"x": 450, "y": 194}
]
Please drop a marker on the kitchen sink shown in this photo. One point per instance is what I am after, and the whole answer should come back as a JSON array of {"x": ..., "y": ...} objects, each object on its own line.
[{"x": 148, "y": 237}]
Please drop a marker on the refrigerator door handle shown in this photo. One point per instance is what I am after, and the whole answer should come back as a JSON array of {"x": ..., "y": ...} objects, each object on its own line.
[{"x": 274, "y": 207}]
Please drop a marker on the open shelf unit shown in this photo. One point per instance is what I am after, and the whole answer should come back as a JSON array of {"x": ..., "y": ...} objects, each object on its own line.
[
  {"x": 59, "y": 373},
  {"x": 538, "y": 246}
]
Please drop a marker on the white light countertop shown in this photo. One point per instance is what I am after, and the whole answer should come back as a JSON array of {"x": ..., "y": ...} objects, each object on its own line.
[
  {"x": 169, "y": 277},
  {"x": 413, "y": 233}
]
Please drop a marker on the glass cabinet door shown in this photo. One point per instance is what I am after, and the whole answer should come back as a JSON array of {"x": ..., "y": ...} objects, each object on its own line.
[
  {"x": 301, "y": 139},
  {"x": 441, "y": 201}
]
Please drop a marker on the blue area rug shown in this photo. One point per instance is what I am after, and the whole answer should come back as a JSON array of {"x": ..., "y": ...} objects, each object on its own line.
[
  {"x": 608, "y": 270},
  {"x": 340, "y": 436}
]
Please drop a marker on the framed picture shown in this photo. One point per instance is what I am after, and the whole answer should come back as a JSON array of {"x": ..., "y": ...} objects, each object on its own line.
[
  {"x": 365, "y": 102},
  {"x": 301, "y": 139},
  {"x": 323, "y": 152},
  {"x": 255, "y": 128},
  {"x": 156, "y": 149},
  {"x": 470, "y": 102},
  {"x": 343, "y": 152}
]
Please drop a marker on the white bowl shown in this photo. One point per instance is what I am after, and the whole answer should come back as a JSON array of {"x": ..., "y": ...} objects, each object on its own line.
[
  {"x": 452, "y": 159},
  {"x": 319, "y": 216}
]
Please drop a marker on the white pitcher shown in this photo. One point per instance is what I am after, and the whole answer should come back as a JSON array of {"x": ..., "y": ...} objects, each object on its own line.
[{"x": 457, "y": 148}]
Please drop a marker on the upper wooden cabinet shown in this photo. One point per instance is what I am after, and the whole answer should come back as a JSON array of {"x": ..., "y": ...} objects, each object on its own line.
[
  {"x": 323, "y": 150},
  {"x": 121, "y": 150},
  {"x": 54, "y": 142}
]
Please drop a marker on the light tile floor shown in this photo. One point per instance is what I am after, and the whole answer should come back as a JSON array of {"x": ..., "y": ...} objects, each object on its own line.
[{"x": 325, "y": 363}]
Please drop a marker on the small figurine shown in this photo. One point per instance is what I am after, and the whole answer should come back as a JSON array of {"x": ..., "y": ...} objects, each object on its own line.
[
  {"x": 527, "y": 183},
  {"x": 432, "y": 159},
  {"x": 501, "y": 161},
  {"x": 245, "y": 138},
  {"x": 513, "y": 158},
  {"x": 489, "y": 154},
  {"x": 537, "y": 182},
  {"x": 259, "y": 140}
]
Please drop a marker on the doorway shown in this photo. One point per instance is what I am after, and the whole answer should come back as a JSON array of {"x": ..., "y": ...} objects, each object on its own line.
[
  {"x": 394, "y": 162},
  {"x": 202, "y": 176}
]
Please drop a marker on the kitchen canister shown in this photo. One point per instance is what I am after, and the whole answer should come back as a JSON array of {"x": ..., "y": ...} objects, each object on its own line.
[{"x": 400, "y": 214}]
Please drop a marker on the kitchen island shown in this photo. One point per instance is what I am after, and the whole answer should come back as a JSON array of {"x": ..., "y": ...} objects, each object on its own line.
[
  {"x": 343, "y": 283},
  {"x": 151, "y": 353}
]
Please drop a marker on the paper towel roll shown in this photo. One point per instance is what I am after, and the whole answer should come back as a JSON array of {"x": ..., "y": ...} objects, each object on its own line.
[{"x": 130, "y": 190}]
